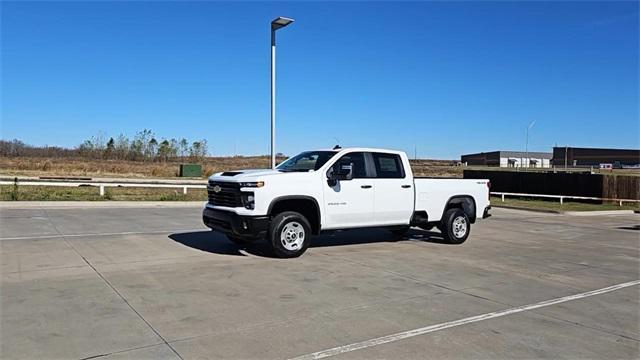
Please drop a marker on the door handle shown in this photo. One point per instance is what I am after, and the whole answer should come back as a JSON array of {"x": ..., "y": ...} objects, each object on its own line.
[
  {"x": 365, "y": 186},
  {"x": 406, "y": 186}
]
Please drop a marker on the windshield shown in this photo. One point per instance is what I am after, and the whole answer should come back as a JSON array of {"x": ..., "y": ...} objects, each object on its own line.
[{"x": 308, "y": 160}]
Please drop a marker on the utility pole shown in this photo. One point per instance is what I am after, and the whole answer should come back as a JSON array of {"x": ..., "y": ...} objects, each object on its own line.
[{"x": 526, "y": 145}]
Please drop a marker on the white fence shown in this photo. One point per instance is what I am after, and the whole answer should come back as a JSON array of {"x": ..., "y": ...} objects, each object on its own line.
[
  {"x": 103, "y": 185},
  {"x": 186, "y": 187},
  {"x": 562, "y": 197}
]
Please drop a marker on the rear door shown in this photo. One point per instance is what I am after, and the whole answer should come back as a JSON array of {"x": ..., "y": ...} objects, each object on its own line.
[
  {"x": 394, "y": 199},
  {"x": 350, "y": 202}
]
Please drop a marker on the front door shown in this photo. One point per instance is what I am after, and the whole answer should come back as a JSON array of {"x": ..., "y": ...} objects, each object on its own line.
[{"x": 349, "y": 203}]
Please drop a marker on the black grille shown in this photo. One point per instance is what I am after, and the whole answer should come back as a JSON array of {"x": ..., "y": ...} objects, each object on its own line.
[{"x": 229, "y": 194}]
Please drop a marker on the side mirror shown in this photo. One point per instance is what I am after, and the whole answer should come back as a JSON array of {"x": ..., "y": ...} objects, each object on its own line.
[
  {"x": 340, "y": 171},
  {"x": 345, "y": 171}
]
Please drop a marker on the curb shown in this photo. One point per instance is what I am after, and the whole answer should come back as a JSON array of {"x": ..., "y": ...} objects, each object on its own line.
[
  {"x": 545, "y": 211},
  {"x": 571, "y": 213},
  {"x": 600, "y": 212},
  {"x": 96, "y": 204}
]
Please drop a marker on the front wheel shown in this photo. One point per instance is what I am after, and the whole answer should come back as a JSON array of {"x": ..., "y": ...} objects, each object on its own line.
[
  {"x": 455, "y": 226},
  {"x": 289, "y": 234}
]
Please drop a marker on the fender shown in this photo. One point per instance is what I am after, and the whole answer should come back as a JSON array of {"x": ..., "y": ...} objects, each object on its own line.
[
  {"x": 463, "y": 199},
  {"x": 297, "y": 197}
]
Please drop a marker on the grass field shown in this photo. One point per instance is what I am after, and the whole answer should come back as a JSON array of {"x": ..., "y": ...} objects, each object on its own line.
[
  {"x": 33, "y": 166},
  {"x": 554, "y": 205}
]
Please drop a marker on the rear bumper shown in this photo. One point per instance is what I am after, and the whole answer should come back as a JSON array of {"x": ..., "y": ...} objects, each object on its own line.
[
  {"x": 233, "y": 224},
  {"x": 486, "y": 214}
]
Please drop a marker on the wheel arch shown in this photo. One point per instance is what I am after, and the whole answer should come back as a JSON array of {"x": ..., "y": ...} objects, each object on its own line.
[
  {"x": 465, "y": 202},
  {"x": 304, "y": 204}
]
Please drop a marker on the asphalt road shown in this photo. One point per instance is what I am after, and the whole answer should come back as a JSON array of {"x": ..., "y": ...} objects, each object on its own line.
[{"x": 151, "y": 282}]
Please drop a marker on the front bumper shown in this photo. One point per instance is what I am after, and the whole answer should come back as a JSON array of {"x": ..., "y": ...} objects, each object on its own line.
[
  {"x": 233, "y": 224},
  {"x": 486, "y": 214}
]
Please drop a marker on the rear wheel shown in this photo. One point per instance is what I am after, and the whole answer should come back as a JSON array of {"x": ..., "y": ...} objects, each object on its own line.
[
  {"x": 455, "y": 226},
  {"x": 289, "y": 234}
]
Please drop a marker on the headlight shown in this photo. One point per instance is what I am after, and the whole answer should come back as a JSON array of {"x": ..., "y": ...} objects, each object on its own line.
[
  {"x": 255, "y": 184},
  {"x": 248, "y": 200}
]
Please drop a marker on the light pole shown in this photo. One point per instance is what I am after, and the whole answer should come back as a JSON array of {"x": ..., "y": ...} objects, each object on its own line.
[
  {"x": 276, "y": 24},
  {"x": 526, "y": 144}
]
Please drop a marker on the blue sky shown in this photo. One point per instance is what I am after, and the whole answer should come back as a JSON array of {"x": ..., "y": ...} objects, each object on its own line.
[{"x": 447, "y": 77}]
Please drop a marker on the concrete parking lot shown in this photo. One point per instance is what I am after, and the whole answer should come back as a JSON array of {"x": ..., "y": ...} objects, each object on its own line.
[{"x": 150, "y": 282}]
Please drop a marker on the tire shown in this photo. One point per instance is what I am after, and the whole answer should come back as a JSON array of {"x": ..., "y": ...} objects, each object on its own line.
[
  {"x": 399, "y": 232},
  {"x": 289, "y": 234},
  {"x": 238, "y": 240},
  {"x": 455, "y": 226}
]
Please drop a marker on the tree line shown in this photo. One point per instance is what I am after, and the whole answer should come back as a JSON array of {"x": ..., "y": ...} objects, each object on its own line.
[{"x": 144, "y": 146}]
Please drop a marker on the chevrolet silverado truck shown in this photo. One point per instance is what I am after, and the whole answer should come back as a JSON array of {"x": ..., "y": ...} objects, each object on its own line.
[{"x": 338, "y": 189}]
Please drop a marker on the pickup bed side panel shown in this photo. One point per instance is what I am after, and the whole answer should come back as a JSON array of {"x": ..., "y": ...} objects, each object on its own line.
[{"x": 432, "y": 195}]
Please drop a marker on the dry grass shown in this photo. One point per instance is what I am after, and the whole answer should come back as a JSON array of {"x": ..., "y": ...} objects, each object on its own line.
[{"x": 33, "y": 166}]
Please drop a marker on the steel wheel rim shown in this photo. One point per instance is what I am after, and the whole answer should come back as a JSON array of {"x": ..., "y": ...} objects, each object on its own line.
[
  {"x": 292, "y": 236},
  {"x": 459, "y": 226}
]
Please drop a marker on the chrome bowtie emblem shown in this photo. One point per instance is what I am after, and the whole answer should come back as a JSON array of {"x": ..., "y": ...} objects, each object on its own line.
[{"x": 217, "y": 189}]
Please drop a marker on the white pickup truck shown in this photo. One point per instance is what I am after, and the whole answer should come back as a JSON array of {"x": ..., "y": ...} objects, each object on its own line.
[{"x": 339, "y": 189}]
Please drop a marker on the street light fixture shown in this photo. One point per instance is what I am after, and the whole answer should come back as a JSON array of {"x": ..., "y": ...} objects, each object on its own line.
[{"x": 277, "y": 23}]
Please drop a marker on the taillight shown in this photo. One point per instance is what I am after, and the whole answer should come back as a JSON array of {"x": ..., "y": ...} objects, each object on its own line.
[{"x": 489, "y": 190}]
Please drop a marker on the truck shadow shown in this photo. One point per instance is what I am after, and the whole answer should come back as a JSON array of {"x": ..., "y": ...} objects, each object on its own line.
[
  {"x": 217, "y": 243},
  {"x": 207, "y": 240}
]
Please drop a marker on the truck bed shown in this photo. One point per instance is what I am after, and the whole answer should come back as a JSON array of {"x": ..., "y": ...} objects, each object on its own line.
[{"x": 432, "y": 194}]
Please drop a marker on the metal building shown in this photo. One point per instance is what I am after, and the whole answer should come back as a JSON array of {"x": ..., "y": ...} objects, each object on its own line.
[
  {"x": 509, "y": 159},
  {"x": 572, "y": 156}
]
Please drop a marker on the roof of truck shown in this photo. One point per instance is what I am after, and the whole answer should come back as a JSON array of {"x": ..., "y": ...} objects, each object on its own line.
[{"x": 362, "y": 149}]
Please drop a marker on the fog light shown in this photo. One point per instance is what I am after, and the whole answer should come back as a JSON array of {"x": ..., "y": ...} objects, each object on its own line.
[
  {"x": 244, "y": 225},
  {"x": 248, "y": 200}
]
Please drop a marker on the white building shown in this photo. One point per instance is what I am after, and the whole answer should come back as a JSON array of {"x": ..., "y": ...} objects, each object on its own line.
[{"x": 509, "y": 159}]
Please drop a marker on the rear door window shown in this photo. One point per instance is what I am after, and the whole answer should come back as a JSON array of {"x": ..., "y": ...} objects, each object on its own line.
[{"x": 388, "y": 166}]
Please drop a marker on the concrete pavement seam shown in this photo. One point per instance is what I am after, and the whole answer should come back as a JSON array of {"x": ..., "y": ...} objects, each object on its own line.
[
  {"x": 584, "y": 326},
  {"x": 565, "y": 224},
  {"x": 460, "y": 322},
  {"x": 47, "y": 269},
  {"x": 35, "y": 237},
  {"x": 112, "y": 287},
  {"x": 130, "y": 306},
  {"x": 421, "y": 281},
  {"x": 120, "y": 351}
]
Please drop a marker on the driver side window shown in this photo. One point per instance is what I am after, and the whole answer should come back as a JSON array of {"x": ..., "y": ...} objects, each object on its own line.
[{"x": 357, "y": 158}]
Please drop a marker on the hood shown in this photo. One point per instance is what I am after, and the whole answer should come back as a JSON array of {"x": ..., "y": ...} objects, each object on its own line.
[{"x": 238, "y": 175}]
